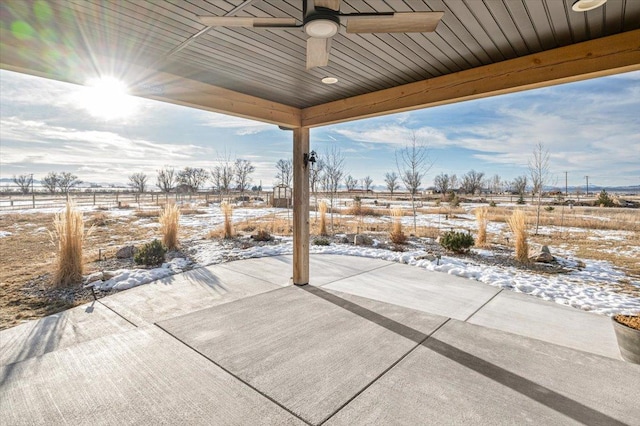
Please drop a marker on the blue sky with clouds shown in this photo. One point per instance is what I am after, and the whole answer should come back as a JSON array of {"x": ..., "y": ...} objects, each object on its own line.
[{"x": 590, "y": 128}]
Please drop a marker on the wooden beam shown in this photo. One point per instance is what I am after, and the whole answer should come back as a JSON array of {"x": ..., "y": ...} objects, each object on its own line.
[
  {"x": 78, "y": 65},
  {"x": 595, "y": 58},
  {"x": 300, "y": 207}
]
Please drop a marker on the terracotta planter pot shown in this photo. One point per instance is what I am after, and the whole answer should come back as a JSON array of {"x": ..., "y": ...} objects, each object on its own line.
[{"x": 628, "y": 342}]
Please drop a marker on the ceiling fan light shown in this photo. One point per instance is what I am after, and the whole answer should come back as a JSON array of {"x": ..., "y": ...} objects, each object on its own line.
[
  {"x": 321, "y": 28},
  {"x": 585, "y": 5},
  {"x": 329, "y": 80}
]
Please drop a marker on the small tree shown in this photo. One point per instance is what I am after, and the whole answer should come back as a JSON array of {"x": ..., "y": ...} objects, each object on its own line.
[
  {"x": 442, "y": 183},
  {"x": 192, "y": 178},
  {"x": 138, "y": 182},
  {"x": 413, "y": 164},
  {"x": 350, "y": 182},
  {"x": 334, "y": 170},
  {"x": 604, "y": 200},
  {"x": 367, "y": 183},
  {"x": 24, "y": 182},
  {"x": 67, "y": 180},
  {"x": 50, "y": 182},
  {"x": 242, "y": 172},
  {"x": 222, "y": 174},
  {"x": 539, "y": 171},
  {"x": 166, "y": 179},
  {"x": 315, "y": 177},
  {"x": 284, "y": 174},
  {"x": 391, "y": 182}
]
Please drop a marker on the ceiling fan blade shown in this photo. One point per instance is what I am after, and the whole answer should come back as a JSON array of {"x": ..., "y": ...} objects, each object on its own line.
[
  {"x": 318, "y": 52},
  {"x": 400, "y": 22},
  {"x": 328, "y": 4},
  {"x": 242, "y": 21}
]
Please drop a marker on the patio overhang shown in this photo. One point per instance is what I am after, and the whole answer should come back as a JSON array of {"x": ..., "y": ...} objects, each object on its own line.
[{"x": 164, "y": 53}]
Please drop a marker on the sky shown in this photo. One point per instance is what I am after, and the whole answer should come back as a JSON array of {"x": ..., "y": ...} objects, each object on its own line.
[{"x": 591, "y": 128}]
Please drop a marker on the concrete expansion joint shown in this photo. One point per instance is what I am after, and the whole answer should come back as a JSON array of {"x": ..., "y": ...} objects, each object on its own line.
[
  {"x": 483, "y": 305},
  {"x": 118, "y": 314}
]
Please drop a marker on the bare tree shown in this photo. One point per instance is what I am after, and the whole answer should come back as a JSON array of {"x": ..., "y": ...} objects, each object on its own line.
[
  {"x": 519, "y": 186},
  {"x": 453, "y": 183},
  {"x": 192, "y": 178},
  {"x": 66, "y": 181},
  {"x": 495, "y": 184},
  {"x": 539, "y": 172},
  {"x": 242, "y": 173},
  {"x": 24, "y": 182},
  {"x": 50, "y": 182},
  {"x": 138, "y": 182},
  {"x": 413, "y": 164},
  {"x": 222, "y": 174},
  {"x": 285, "y": 171},
  {"x": 315, "y": 177},
  {"x": 391, "y": 181},
  {"x": 367, "y": 183},
  {"x": 351, "y": 183},
  {"x": 333, "y": 172},
  {"x": 472, "y": 182},
  {"x": 166, "y": 179},
  {"x": 442, "y": 183}
]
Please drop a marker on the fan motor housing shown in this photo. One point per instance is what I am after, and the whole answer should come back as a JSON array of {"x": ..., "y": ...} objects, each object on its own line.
[{"x": 321, "y": 25}]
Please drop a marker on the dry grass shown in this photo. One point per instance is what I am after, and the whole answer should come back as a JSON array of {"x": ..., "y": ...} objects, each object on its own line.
[
  {"x": 147, "y": 213},
  {"x": 169, "y": 226},
  {"x": 68, "y": 234},
  {"x": 322, "y": 209},
  {"x": 396, "y": 235},
  {"x": 518, "y": 225},
  {"x": 227, "y": 210},
  {"x": 481, "y": 217}
]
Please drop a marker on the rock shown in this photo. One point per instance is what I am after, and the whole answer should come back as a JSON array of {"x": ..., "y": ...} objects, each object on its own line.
[
  {"x": 93, "y": 277},
  {"x": 359, "y": 239},
  {"x": 542, "y": 256},
  {"x": 126, "y": 252},
  {"x": 107, "y": 275}
]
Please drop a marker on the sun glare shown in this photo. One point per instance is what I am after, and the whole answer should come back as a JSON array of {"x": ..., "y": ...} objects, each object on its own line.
[{"x": 107, "y": 98}]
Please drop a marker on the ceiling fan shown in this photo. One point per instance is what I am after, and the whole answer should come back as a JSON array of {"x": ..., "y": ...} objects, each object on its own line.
[{"x": 321, "y": 20}]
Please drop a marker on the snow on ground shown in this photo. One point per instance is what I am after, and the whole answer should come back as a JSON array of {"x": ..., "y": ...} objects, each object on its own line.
[{"x": 5, "y": 234}]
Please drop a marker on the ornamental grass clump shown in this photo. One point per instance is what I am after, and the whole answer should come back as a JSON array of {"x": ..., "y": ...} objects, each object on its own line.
[
  {"x": 481, "y": 217},
  {"x": 397, "y": 236},
  {"x": 518, "y": 225},
  {"x": 322, "y": 208},
  {"x": 68, "y": 234},
  {"x": 169, "y": 225},
  {"x": 227, "y": 211}
]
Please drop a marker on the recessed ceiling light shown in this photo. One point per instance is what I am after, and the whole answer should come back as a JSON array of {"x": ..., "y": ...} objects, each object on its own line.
[
  {"x": 329, "y": 80},
  {"x": 584, "y": 5}
]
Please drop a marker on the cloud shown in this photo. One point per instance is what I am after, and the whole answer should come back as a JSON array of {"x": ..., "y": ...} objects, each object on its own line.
[
  {"x": 242, "y": 126},
  {"x": 394, "y": 134}
]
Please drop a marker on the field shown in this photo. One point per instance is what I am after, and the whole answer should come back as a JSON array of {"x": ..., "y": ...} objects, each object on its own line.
[{"x": 597, "y": 249}]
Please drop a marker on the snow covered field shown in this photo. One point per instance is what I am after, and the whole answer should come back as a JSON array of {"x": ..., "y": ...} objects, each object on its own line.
[{"x": 589, "y": 284}]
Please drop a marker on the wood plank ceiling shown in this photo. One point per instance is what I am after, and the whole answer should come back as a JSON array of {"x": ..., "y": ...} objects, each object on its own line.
[{"x": 270, "y": 64}]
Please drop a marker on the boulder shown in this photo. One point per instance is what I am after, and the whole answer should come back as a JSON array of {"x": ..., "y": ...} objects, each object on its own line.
[
  {"x": 126, "y": 252},
  {"x": 543, "y": 256},
  {"x": 93, "y": 277},
  {"x": 360, "y": 239}
]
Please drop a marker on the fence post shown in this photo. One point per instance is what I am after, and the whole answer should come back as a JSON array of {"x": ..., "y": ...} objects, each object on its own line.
[{"x": 33, "y": 199}]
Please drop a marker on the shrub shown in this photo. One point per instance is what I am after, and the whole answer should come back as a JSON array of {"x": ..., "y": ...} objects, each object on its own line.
[
  {"x": 150, "y": 254},
  {"x": 227, "y": 210},
  {"x": 322, "y": 207},
  {"x": 604, "y": 200},
  {"x": 549, "y": 208},
  {"x": 262, "y": 235},
  {"x": 68, "y": 233},
  {"x": 456, "y": 241},
  {"x": 520, "y": 200},
  {"x": 321, "y": 242},
  {"x": 455, "y": 201},
  {"x": 169, "y": 219},
  {"x": 492, "y": 204},
  {"x": 481, "y": 216},
  {"x": 397, "y": 236},
  {"x": 518, "y": 224}
]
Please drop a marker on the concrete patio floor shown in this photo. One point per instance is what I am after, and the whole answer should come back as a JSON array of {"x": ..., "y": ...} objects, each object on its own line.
[{"x": 369, "y": 342}]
